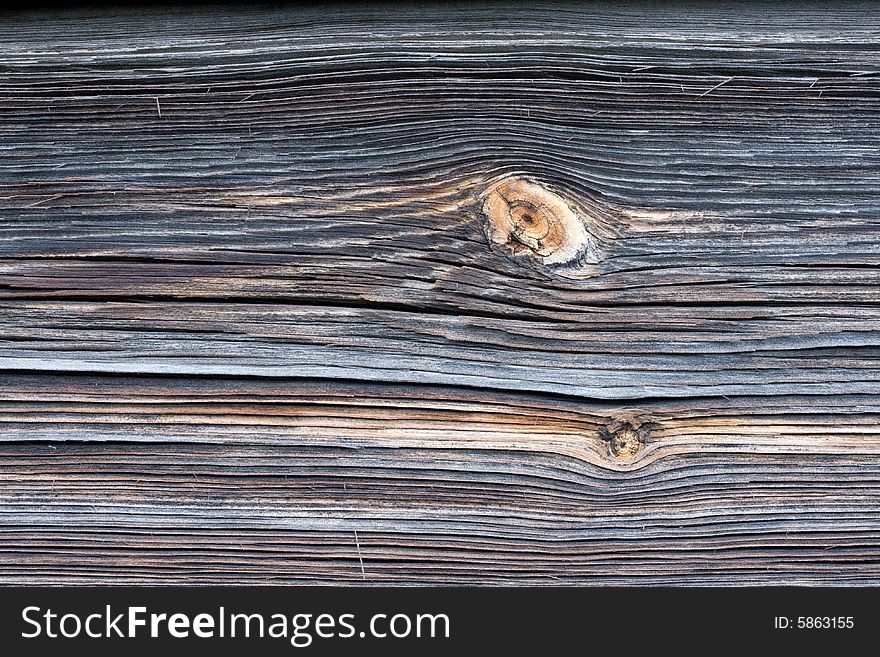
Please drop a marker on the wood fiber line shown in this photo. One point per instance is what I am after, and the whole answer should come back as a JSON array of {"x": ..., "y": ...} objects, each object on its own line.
[{"x": 587, "y": 295}]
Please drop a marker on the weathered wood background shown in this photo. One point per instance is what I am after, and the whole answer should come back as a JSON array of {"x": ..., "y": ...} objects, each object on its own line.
[{"x": 254, "y": 327}]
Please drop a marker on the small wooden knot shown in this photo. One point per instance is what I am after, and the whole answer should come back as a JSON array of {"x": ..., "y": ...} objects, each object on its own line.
[
  {"x": 625, "y": 440},
  {"x": 528, "y": 219}
]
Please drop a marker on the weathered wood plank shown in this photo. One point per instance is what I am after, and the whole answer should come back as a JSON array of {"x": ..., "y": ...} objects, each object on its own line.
[{"x": 564, "y": 295}]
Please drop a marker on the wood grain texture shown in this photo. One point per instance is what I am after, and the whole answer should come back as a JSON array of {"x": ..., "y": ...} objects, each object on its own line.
[{"x": 440, "y": 294}]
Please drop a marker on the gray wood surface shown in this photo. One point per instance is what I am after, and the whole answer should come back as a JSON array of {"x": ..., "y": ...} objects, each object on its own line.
[{"x": 454, "y": 293}]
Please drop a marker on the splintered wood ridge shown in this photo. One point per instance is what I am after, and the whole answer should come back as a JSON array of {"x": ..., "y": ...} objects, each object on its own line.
[{"x": 529, "y": 219}]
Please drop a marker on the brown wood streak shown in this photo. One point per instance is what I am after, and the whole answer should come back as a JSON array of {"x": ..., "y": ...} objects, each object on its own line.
[{"x": 586, "y": 297}]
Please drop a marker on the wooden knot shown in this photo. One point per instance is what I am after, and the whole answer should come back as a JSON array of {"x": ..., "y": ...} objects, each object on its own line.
[
  {"x": 528, "y": 219},
  {"x": 625, "y": 440}
]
